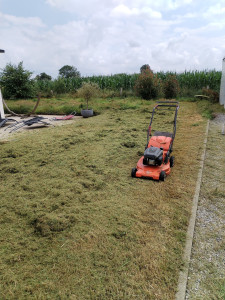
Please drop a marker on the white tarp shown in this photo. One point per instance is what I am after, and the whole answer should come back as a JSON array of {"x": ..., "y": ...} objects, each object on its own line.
[
  {"x": 222, "y": 85},
  {"x": 2, "y": 114}
]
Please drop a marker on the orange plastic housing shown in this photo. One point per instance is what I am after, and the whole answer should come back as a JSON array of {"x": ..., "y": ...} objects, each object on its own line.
[
  {"x": 151, "y": 171},
  {"x": 160, "y": 142}
]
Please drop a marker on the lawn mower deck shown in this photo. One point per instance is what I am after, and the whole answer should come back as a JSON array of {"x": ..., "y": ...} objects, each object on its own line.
[{"x": 156, "y": 163}]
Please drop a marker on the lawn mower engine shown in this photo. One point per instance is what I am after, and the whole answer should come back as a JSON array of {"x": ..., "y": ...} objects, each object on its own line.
[{"x": 153, "y": 156}]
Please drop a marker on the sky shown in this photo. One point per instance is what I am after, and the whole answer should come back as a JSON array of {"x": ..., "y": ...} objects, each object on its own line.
[{"x": 103, "y": 37}]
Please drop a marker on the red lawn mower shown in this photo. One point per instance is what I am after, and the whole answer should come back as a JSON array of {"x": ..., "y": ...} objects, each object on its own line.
[{"x": 156, "y": 162}]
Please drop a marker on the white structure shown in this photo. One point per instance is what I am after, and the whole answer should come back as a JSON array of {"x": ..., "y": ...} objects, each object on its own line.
[
  {"x": 222, "y": 85},
  {"x": 2, "y": 114}
]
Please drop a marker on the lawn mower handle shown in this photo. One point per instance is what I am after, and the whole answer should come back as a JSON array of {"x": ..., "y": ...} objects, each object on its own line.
[{"x": 167, "y": 104}]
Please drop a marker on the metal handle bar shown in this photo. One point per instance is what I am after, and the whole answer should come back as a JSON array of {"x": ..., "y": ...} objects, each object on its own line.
[
  {"x": 167, "y": 102},
  {"x": 167, "y": 105}
]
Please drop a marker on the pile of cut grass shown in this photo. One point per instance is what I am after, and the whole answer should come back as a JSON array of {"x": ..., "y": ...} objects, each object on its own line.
[{"x": 75, "y": 225}]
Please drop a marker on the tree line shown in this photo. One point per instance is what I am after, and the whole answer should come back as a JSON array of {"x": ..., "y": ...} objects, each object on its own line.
[{"x": 17, "y": 82}]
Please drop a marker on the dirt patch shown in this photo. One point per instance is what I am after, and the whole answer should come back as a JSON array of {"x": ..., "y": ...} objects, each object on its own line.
[
  {"x": 206, "y": 273},
  {"x": 8, "y": 131}
]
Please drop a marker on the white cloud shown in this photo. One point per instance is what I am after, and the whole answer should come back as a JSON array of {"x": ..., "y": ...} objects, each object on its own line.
[
  {"x": 216, "y": 10},
  {"x": 20, "y": 21},
  {"x": 160, "y": 5},
  {"x": 85, "y": 8},
  {"x": 116, "y": 36},
  {"x": 151, "y": 13},
  {"x": 122, "y": 10},
  {"x": 125, "y": 6}
]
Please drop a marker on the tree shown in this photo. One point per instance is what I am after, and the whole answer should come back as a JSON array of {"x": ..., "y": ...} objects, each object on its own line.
[
  {"x": 16, "y": 82},
  {"x": 68, "y": 72},
  {"x": 43, "y": 76},
  {"x": 144, "y": 68},
  {"x": 88, "y": 90},
  {"x": 147, "y": 85},
  {"x": 171, "y": 87}
]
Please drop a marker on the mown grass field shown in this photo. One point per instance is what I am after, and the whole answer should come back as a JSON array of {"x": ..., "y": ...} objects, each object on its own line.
[{"x": 75, "y": 225}]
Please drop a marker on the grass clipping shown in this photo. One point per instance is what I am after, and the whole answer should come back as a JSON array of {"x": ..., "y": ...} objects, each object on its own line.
[{"x": 75, "y": 225}]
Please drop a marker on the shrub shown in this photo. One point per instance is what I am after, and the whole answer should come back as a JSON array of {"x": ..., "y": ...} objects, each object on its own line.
[
  {"x": 16, "y": 82},
  {"x": 144, "y": 68},
  {"x": 147, "y": 85},
  {"x": 213, "y": 95},
  {"x": 171, "y": 87},
  {"x": 88, "y": 90},
  {"x": 60, "y": 86},
  {"x": 44, "y": 87}
]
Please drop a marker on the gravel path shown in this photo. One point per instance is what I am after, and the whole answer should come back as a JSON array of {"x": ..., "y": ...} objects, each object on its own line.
[{"x": 206, "y": 278}]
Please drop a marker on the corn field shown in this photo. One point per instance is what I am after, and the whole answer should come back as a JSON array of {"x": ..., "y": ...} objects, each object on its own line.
[{"x": 188, "y": 80}]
